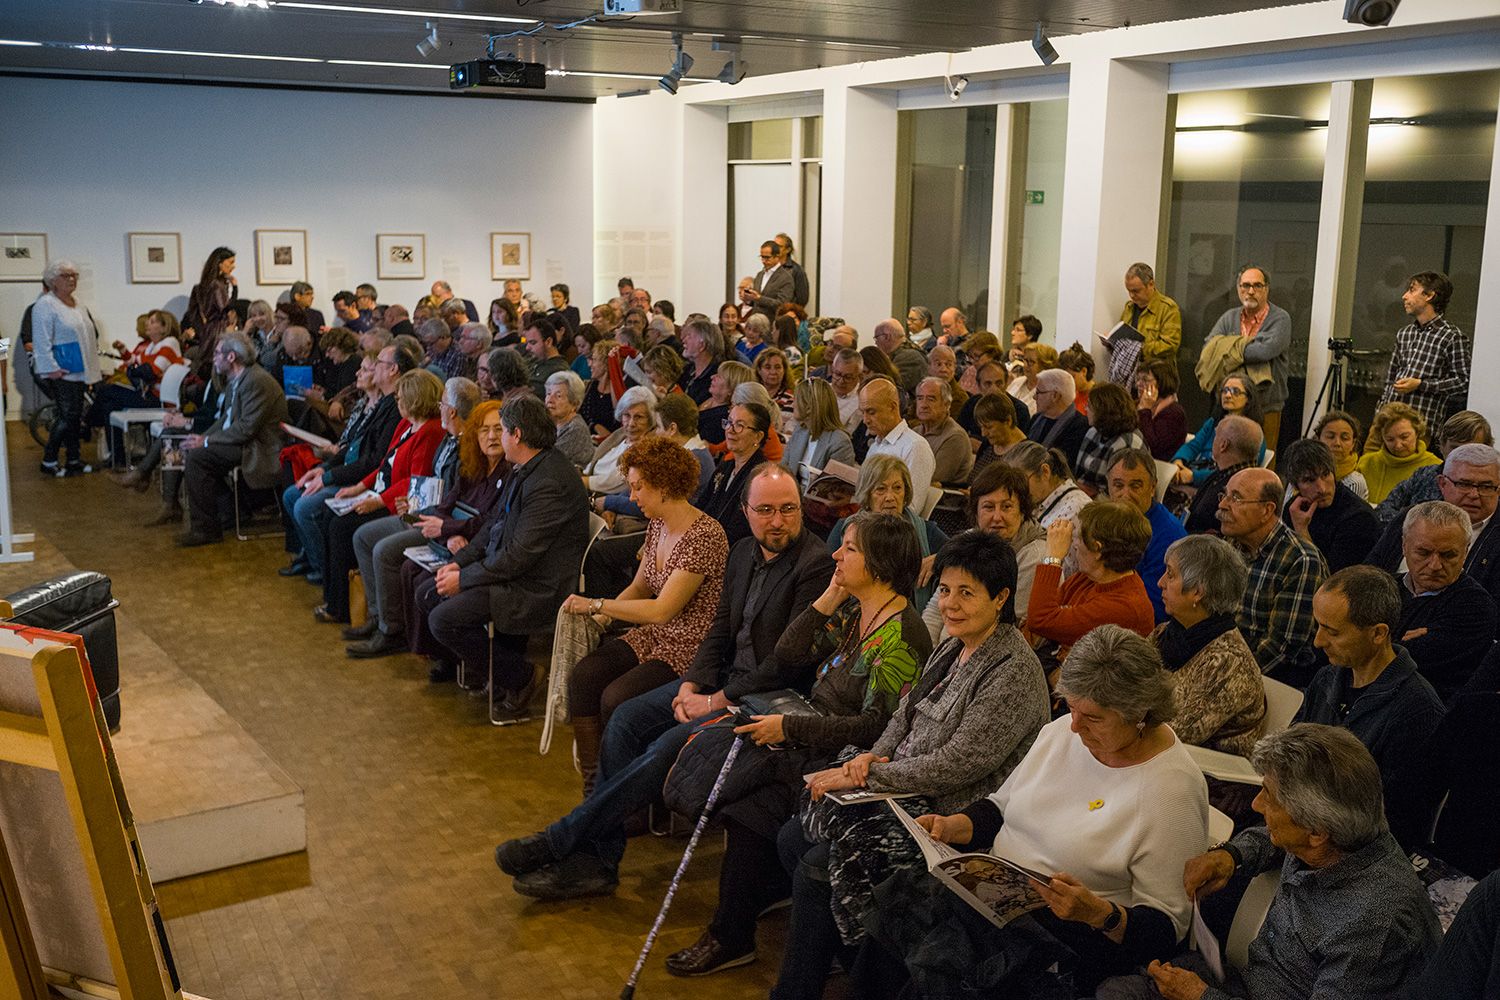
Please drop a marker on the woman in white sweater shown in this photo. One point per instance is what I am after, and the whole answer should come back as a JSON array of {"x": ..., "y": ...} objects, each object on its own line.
[
  {"x": 65, "y": 359},
  {"x": 1107, "y": 803}
]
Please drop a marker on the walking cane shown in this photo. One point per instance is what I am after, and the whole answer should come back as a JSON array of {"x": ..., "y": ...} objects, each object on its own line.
[{"x": 708, "y": 807}]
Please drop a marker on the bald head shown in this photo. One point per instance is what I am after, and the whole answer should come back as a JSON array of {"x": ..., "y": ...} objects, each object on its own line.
[
  {"x": 1236, "y": 440},
  {"x": 1250, "y": 506},
  {"x": 880, "y": 406},
  {"x": 954, "y": 323}
]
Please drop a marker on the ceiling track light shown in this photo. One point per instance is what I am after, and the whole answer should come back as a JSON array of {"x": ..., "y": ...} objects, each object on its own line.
[
  {"x": 1042, "y": 45},
  {"x": 1370, "y": 13},
  {"x": 734, "y": 70},
  {"x": 429, "y": 43},
  {"x": 956, "y": 87},
  {"x": 680, "y": 65}
]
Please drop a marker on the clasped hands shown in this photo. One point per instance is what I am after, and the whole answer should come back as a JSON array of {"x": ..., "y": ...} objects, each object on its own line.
[{"x": 854, "y": 773}]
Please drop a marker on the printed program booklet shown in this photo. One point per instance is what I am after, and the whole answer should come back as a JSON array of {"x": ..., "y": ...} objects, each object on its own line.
[{"x": 997, "y": 889}]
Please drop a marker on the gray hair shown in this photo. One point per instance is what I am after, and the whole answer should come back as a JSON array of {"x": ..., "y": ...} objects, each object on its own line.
[
  {"x": 876, "y": 470},
  {"x": 1119, "y": 670},
  {"x": 1326, "y": 780},
  {"x": 294, "y": 335},
  {"x": 462, "y": 394},
  {"x": 754, "y": 392},
  {"x": 56, "y": 267},
  {"x": 1056, "y": 380},
  {"x": 1212, "y": 568},
  {"x": 709, "y": 332},
  {"x": 662, "y": 325},
  {"x": 571, "y": 384},
  {"x": 1243, "y": 436},
  {"x": 760, "y": 324},
  {"x": 452, "y": 305},
  {"x": 1481, "y": 456},
  {"x": 238, "y": 345},
  {"x": 480, "y": 333},
  {"x": 1141, "y": 271},
  {"x": 943, "y": 388},
  {"x": 1439, "y": 514},
  {"x": 637, "y": 395},
  {"x": 433, "y": 330}
]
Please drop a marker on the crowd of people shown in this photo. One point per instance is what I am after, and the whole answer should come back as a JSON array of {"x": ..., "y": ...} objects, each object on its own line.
[{"x": 1035, "y": 592}]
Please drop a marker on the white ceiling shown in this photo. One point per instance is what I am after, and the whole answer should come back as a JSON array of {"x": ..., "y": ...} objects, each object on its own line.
[{"x": 777, "y": 36}]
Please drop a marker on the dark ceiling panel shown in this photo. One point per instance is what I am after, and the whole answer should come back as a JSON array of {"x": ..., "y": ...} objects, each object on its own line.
[{"x": 777, "y": 36}]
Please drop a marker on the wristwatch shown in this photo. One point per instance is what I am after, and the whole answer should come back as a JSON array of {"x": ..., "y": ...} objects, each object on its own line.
[
  {"x": 1229, "y": 849},
  {"x": 1051, "y": 561},
  {"x": 598, "y": 606},
  {"x": 1113, "y": 920}
]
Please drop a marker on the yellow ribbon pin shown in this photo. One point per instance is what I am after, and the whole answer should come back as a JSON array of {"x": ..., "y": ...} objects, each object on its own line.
[{"x": 1096, "y": 804}]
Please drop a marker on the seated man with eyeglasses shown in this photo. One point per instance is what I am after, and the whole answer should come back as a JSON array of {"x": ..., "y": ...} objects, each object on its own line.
[
  {"x": 1276, "y": 613},
  {"x": 770, "y": 579},
  {"x": 1470, "y": 480}
]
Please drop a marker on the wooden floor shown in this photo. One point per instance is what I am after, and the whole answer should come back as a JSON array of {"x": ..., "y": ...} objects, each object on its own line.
[{"x": 408, "y": 790}]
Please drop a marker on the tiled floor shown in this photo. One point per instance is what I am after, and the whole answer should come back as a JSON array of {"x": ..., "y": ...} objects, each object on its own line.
[{"x": 408, "y": 790}]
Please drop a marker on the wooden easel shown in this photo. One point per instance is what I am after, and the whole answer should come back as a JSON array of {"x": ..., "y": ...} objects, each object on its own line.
[{"x": 72, "y": 851}]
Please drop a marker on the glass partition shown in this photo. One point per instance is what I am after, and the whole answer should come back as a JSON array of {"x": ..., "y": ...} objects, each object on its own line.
[
  {"x": 1247, "y": 180},
  {"x": 1040, "y": 221}
]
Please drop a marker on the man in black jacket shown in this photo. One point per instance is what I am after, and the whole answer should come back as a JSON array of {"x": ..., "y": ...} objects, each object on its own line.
[
  {"x": 1470, "y": 480},
  {"x": 518, "y": 570},
  {"x": 769, "y": 580},
  {"x": 1447, "y": 619},
  {"x": 1057, "y": 422}
]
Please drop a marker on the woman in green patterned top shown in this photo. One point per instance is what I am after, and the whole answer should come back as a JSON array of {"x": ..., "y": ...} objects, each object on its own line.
[{"x": 864, "y": 643}]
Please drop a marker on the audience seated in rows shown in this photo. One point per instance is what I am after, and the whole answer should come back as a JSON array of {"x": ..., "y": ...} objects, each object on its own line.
[
  {"x": 1132, "y": 480},
  {"x": 1196, "y": 460},
  {"x": 636, "y": 415},
  {"x": 952, "y": 456},
  {"x": 1035, "y": 359},
  {"x": 1112, "y": 427},
  {"x": 1057, "y": 423},
  {"x": 1322, "y": 510},
  {"x": 1054, "y": 495},
  {"x": 746, "y": 430},
  {"x": 1107, "y": 797},
  {"x": 1236, "y": 441},
  {"x": 871, "y": 644},
  {"x": 819, "y": 438},
  {"x": 1340, "y": 432},
  {"x": 885, "y": 487},
  {"x": 1350, "y": 918},
  {"x": 889, "y": 434},
  {"x": 1402, "y": 436},
  {"x": 563, "y": 394},
  {"x": 1464, "y": 427}
]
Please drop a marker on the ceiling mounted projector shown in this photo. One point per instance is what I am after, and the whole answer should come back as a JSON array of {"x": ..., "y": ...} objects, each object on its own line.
[
  {"x": 642, "y": 6},
  {"x": 497, "y": 73}
]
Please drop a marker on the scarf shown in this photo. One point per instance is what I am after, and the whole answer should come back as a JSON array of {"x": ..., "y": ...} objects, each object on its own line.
[
  {"x": 1178, "y": 644},
  {"x": 1345, "y": 466}
]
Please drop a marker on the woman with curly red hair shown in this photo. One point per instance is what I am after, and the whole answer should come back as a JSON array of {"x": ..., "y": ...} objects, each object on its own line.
[{"x": 671, "y": 601}]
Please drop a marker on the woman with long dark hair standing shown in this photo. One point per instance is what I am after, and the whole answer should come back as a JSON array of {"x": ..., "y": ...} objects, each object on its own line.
[{"x": 208, "y": 308}]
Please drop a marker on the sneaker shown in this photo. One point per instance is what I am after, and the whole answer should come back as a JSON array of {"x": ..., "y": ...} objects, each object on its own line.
[
  {"x": 75, "y": 469},
  {"x": 524, "y": 855},
  {"x": 506, "y": 713},
  {"x": 707, "y": 957},
  {"x": 51, "y": 469},
  {"x": 577, "y": 876}
]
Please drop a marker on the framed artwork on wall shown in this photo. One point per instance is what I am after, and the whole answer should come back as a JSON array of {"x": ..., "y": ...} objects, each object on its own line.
[
  {"x": 510, "y": 256},
  {"x": 280, "y": 256},
  {"x": 155, "y": 258},
  {"x": 23, "y": 256},
  {"x": 400, "y": 255}
]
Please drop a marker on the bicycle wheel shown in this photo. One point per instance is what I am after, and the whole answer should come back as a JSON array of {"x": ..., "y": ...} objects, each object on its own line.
[{"x": 40, "y": 424}]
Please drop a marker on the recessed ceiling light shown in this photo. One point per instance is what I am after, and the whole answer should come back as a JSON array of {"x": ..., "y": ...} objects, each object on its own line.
[
  {"x": 12, "y": 41},
  {"x": 217, "y": 55},
  {"x": 442, "y": 14},
  {"x": 373, "y": 62}
]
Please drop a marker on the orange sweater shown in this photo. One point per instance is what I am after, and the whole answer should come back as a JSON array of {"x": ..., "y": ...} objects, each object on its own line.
[{"x": 1066, "y": 613}]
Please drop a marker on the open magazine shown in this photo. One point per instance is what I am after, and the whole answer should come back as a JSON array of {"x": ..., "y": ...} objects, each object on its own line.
[
  {"x": 343, "y": 505},
  {"x": 997, "y": 889}
]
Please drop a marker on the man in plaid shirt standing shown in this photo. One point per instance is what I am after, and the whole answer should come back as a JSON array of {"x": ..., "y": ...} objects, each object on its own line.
[
  {"x": 1430, "y": 363},
  {"x": 1275, "y": 615}
]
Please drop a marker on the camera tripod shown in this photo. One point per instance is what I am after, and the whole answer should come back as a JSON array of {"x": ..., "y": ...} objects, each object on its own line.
[{"x": 1335, "y": 387}]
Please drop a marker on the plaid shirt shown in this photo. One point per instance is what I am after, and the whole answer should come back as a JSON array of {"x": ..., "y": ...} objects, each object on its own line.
[
  {"x": 1438, "y": 354},
  {"x": 1093, "y": 457},
  {"x": 454, "y": 363},
  {"x": 1276, "y": 615}
]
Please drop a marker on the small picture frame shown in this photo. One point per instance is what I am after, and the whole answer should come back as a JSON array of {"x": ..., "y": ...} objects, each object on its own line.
[
  {"x": 400, "y": 256},
  {"x": 510, "y": 256},
  {"x": 280, "y": 256},
  {"x": 155, "y": 258},
  {"x": 23, "y": 256}
]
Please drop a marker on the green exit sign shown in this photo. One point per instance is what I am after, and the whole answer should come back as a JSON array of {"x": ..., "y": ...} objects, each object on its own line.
[{"x": 1035, "y": 197}]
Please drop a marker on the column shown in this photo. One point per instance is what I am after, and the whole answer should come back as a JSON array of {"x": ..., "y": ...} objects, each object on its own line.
[
  {"x": 859, "y": 195},
  {"x": 703, "y": 219},
  {"x": 1484, "y": 378}
]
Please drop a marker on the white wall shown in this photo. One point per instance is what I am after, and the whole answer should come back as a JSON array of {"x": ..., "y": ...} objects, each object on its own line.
[{"x": 86, "y": 162}]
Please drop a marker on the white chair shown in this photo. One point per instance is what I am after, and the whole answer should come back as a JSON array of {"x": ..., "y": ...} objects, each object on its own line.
[
  {"x": 1248, "y": 917},
  {"x": 1282, "y": 702},
  {"x": 171, "y": 393},
  {"x": 1165, "y": 473},
  {"x": 1270, "y": 456},
  {"x": 1220, "y": 826}
]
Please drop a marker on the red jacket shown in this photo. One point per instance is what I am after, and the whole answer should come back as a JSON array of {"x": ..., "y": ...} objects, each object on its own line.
[
  {"x": 1065, "y": 615},
  {"x": 412, "y": 457}
]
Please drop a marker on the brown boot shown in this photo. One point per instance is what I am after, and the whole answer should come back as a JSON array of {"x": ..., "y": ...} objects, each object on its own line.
[
  {"x": 586, "y": 738},
  {"x": 169, "y": 514}
]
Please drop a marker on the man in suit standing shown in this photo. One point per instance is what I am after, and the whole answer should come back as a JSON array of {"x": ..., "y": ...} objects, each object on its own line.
[
  {"x": 773, "y": 286},
  {"x": 246, "y": 436},
  {"x": 770, "y": 579},
  {"x": 520, "y": 567}
]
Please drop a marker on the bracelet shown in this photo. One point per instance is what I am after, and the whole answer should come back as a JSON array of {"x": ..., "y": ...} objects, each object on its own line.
[
  {"x": 1051, "y": 561},
  {"x": 598, "y": 606}
]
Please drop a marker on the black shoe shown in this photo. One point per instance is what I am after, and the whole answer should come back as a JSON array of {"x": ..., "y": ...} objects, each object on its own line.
[
  {"x": 297, "y": 568},
  {"x": 75, "y": 469},
  {"x": 369, "y": 628},
  {"x": 524, "y": 855},
  {"x": 316, "y": 579},
  {"x": 50, "y": 469},
  {"x": 378, "y": 644},
  {"x": 707, "y": 957},
  {"x": 321, "y": 613},
  {"x": 575, "y": 877},
  {"x": 193, "y": 539},
  {"x": 442, "y": 672}
]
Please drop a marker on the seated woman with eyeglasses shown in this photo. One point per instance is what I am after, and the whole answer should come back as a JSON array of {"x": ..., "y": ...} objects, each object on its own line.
[
  {"x": 745, "y": 430},
  {"x": 884, "y": 487},
  {"x": 1195, "y": 459}
]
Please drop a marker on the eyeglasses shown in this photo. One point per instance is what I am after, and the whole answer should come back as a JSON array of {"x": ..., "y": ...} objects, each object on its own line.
[
  {"x": 738, "y": 426},
  {"x": 1232, "y": 390},
  {"x": 1469, "y": 486},
  {"x": 1236, "y": 498},
  {"x": 766, "y": 509},
  {"x": 768, "y": 256},
  {"x": 1252, "y": 286}
]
